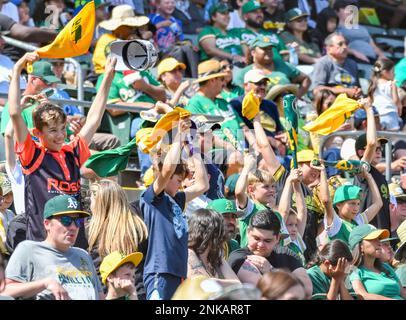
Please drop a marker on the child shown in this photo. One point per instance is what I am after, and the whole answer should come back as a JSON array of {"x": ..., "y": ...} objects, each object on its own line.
[
  {"x": 6, "y": 215},
  {"x": 383, "y": 92},
  {"x": 118, "y": 273},
  {"x": 295, "y": 221},
  {"x": 163, "y": 206},
  {"x": 328, "y": 272},
  {"x": 346, "y": 202},
  {"x": 52, "y": 167}
]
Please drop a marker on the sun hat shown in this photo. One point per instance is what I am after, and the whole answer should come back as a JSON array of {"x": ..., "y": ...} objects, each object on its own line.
[
  {"x": 169, "y": 64},
  {"x": 279, "y": 89},
  {"x": 209, "y": 69},
  {"x": 251, "y": 6},
  {"x": 114, "y": 260},
  {"x": 401, "y": 232},
  {"x": 294, "y": 14},
  {"x": 63, "y": 205},
  {"x": 123, "y": 15},
  {"x": 346, "y": 192},
  {"x": 223, "y": 206},
  {"x": 366, "y": 232}
]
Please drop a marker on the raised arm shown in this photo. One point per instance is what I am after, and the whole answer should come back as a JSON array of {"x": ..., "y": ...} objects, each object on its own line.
[
  {"x": 371, "y": 131},
  {"x": 377, "y": 203},
  {"x": 264, "y": 146},
  {"x": 9, "y": 146},
  {"x": 242, "y": 182},
  {"x": 300, "y": 207},
  {"x": 286, "y": 196},
  {"x": 201, "y": 184},
  {"x": 14, "y": 96},
  {"x": 325, "y": 195},
  {"x": 98, "y": 106}
]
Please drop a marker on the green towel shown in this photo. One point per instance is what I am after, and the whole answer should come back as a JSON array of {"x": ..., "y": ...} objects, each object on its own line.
[{"x": 110, "y": 162}]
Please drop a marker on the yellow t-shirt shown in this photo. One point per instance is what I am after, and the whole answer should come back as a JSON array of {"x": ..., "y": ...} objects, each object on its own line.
[{"x": 101, "y": 51}]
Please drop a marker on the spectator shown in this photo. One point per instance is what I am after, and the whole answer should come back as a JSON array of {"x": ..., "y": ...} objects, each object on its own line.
[
  {"x": 360, "y": 43},
  {"x": 263, "y": 253},
  {"x": 262, "y": 56},
  {"x": 328, "y": 272},
  {"x": 6, "y": 215},
  {"x": 170, "y": 38},
  {"x": 327, "y": 22},
  {"x": 57, "y": 20},
  {"x": 281, "y": 285},
  {"x": 236, "y": 19},
  {"x": 64, "y": 172},
  {"x": 24, "y": 13},
  {"x": 398, "y": 209},
  {"x": 335, "y": 71},
  {"x": 400, "y": 254},
  {"x": 114, "y": 227},
  {"x": 216, "y": 41},
  {"x": 166, "y": 259},
  {"x": 370, "y": 275},
  {"x": 274, "y": 16},
  {"x": 191, "y": 14},
  {"x": 228, "y": 210},
  {"x": 230, "y": 90},
  {"x": 296, "y": 31},
  {"x": 51, "y": 269},
  {"x": 384, "y": 95},
  {"x": 207, "y": 236},
  {"x": 118, "y": 273}
]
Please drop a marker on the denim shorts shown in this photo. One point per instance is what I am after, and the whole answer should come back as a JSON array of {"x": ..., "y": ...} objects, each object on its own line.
[{"x": 390, "y": 121}]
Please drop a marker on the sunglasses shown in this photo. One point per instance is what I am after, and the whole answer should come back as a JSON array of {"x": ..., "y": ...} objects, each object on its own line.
[
  {"x": 227, "y": 66},
  {"x": 66, "y": 221}
]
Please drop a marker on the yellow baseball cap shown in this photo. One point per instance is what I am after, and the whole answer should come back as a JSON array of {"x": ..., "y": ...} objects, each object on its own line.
[
  {"x": 169, "y": 64},
  {"x": 305, "y": 155},
  {"x": 114, "y": 260}
]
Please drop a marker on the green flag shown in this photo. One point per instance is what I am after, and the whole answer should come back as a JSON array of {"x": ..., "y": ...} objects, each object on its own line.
[{"x": 291, "y": 116}]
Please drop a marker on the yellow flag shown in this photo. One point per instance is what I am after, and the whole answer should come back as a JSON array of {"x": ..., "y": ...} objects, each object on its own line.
[
  {"x": 250, "y": 105},
  {"x": 75, "y": 38},
  {"x": 331, "y": 119}
]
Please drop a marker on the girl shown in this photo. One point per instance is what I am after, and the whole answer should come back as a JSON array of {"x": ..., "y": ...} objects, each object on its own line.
[
  {"x": 383, "y": 92},
  {"x": 113, "y": 227},
  {"x": 328, "y": 271}
]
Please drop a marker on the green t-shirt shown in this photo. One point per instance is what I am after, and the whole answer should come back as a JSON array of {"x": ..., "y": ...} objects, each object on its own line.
[
  {"x": 120, "y": 91},
  {"x": 247, "y": 35},
  {"x": 250, "y": 210},
  {"x": 230, "y": 127},
  {"x": 26, "y": 114},
  {"x": 299, "y": 247},
  {"x": 228, "y": 41},
  {"x": 283, "y": 73},
  {"x": 341, "y": 229},
  {"x": 321, "y": 283},
  {"x": 308, "y": 48},
  {"x": 235, "y": 92},
  {"x": 401, "y": 273},
  {"x": 378, "y": 283}
]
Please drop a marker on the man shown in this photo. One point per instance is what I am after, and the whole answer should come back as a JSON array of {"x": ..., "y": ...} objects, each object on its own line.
[
  {"x": 398, "y": 208},
  {"x": 229, "y": 211},
  {"x": 335, "y": 71},
  {"x": 264, "y": 254},
  {"x": 53, "y": 269},
  {"x": 279, "y": 71}
]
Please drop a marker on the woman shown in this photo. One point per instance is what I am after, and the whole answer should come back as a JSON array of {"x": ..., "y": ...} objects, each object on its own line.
[
  {"x": 207, "y": 235},
  {"x": 230, "y": 91},
  {"x": 372, "y": 279},
  {"x": 296, "y": 30},
  {"x": 281, "y": 285},
  {"x": 327, "y": 21},
  {"x": 114, "y": 227},
  {"x": 328, "y": 271}
]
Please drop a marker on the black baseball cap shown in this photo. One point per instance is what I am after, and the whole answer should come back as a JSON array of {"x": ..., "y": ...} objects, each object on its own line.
[{"x": 361, "y": 141}]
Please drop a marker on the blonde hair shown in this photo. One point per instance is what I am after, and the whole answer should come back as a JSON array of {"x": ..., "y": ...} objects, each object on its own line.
[
  {"x": 113, "y": 226},
  {"x": 259, "y": 176}
]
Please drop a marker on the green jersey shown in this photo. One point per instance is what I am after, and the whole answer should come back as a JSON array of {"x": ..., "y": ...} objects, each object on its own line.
[
  {"x": 308, "y": 48},
  {"x": 227, "y": 41},
  {"x": 341, "y": 229}
]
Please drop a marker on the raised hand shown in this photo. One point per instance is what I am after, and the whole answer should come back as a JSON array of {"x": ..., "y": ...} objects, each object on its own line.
[
  {"x": 109, "y": 68},
  {"x": 338, "y": 272}
]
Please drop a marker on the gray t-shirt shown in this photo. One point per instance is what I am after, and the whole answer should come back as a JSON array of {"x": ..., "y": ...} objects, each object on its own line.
[
  {"x": 327, "y": 72},
  {"x": 73, "y": 269},
  {"x": 358, "y": 39}
]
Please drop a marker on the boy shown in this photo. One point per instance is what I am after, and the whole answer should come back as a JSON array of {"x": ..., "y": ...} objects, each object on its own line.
[
  {"x": 118, "y": 273},
  {"x": 163, "y": 206},
  {"x": 50, "y": 166}
]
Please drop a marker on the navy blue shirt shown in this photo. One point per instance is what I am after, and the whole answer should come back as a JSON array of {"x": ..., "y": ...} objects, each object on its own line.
[
  {"x": 166, "y": 252},
  {"x": 216, "y": 180},
  {"x": 269, "y": 116}
]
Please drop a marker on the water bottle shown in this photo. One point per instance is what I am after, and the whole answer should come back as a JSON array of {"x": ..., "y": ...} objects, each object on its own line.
[{"x": 293, "y": 57}]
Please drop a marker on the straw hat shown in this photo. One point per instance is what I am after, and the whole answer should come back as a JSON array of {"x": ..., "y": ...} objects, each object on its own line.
[
  {"x": 278, "y": 89},
  {"x": 209, "y": 69},
  {"x": 401, "y": 232},
  {"x": 123, "y": 15}
]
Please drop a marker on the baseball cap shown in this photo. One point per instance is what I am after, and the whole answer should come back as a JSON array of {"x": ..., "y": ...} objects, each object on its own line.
[
  {"x": 294, "y": 14},
  {"x": 346, "y": 192},
  {"x": 169, "y": 64},
  {"x": 360, "y": 115},
  {"x": 305, "y": 155},
  {"x": 5, "y": 183},
  {"x": 43, "y": 70},
  {"x": 251, "y": 6},
  {"x": 396, "y": 190},
  {"x": 231, "y": 182},
  {"x": 114, "y": 260},
  {"x": 224, "y": 206},
  {"x": 366, "y": 232},
  {"x": 219, "y": 7},
  {"x": 254, "y": 76},
  {"x": 61, "y": 205},
  {"x": 361, "y": 141},
  {"x": 262, "y": 42}
]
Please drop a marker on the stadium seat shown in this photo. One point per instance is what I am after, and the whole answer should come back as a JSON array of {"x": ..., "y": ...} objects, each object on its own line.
[
  {"x": 374, "y": 30},
  {"x": 397, "y": 32},
  {"x": 390, "y": 42},
  {"x": 364, "y": 70},
  {"x": 364, "y": 83}
]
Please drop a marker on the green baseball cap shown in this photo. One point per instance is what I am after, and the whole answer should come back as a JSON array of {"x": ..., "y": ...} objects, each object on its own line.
[
  {"x": 366, "y": 232},
  {"x": 43, "y": 70},
  {"x": 294, "y": 14},
  {"x": 223, "y": 206},
  {"x": 346, "y": 192},
  {"x": 219, "y": 7},
  {"x": 63, "y": 205},
  {"x": 251, "y": 6},
  {"x": 262, "y": 42}
]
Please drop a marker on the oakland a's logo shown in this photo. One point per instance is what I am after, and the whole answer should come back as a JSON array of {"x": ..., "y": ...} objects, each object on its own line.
[{"x": 72, "y": 203}]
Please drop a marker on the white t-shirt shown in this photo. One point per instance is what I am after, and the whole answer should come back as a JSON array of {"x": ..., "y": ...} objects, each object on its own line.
[
  {"x": 11, "y": 11},
  {"x": 383, "y": 98},
  {"x": 197, "y": 203},
  {"x": 17, "y": 185},
  {"x": 235, "y": 21}
]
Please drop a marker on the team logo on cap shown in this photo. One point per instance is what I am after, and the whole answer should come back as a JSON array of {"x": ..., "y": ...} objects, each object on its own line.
[
  {"x": 72, "y": 203},
  {"x": 229, "y": 205}
]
